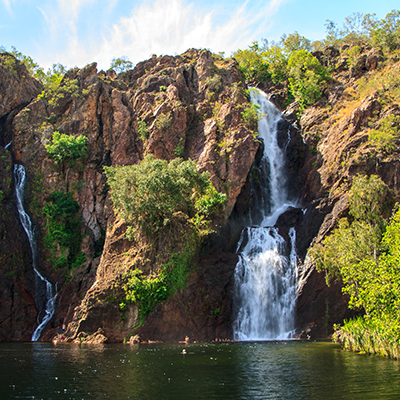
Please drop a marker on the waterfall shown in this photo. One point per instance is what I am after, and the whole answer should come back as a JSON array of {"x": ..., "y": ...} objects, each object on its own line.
[
  {"x": 265, "y": 276},
  {"x": 45, "y": 291}
]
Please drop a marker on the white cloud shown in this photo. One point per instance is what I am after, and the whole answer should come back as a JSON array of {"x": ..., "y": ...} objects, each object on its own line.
[
  {"x": 157, "y": 27},
  {"x": 173, "y": 26},
  {"x": 71, "y": 8},
  {"x": 7, "y": 5}
]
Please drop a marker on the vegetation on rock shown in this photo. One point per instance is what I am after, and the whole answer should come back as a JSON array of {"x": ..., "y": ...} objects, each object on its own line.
[
  {"x": 121, "y": 64},
  {"x": 146, "y": 291},
  {"x": 352, "y": 126},
  {"x": 63, "y": 237},
  {"x": 148, "y": 194},
  {"x": 66, "y": 149},
  {"x": 363, "y": 251}
]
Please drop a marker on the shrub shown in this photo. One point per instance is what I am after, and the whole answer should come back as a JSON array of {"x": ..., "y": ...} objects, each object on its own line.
[
  {"x": 147, "y": 291},
  {"x": 214, "y": 83},
  {"x": 121, "y": 64},
  {"x": 365, "y": 254},
  {"x": 355, "y": 241},
  {"x": 148, "y": 194},
  {"x": 384, "y": 138},
  {"x": 66, "y": 149},
  {"x": 251, "y": 116},
  {"x": 63, "y": 230},
  {"x": 143, "y": 132},
  {"x": 163, "y": 122},
  {"x": 305, "y": 77}
]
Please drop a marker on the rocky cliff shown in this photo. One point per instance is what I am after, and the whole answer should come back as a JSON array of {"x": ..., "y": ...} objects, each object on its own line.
[{"x": 188, "y": 106}]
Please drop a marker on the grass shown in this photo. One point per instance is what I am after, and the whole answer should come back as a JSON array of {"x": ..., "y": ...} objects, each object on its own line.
[{"x": 369, "y": 336}]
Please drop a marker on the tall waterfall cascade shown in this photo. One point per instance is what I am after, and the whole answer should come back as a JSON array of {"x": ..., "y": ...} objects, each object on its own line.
[
  {"x": 45, "y": 291},
  {"x": 265, "y": 276}
]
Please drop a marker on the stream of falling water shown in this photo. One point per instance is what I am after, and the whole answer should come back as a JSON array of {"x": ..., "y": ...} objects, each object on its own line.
[
  {"x": 45, "y": 291},
  {"x": 265, "y": 276}
]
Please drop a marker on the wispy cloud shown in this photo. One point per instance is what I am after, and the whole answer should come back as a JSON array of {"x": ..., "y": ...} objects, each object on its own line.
[
  {"x": 7, "y": 5},
  {"x": 155, "y": 27},
  {"x": 173, "y": 26}
]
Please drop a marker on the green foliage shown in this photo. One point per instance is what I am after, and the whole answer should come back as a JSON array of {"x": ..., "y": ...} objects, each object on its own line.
[
  {"x": 121, "y": 64},
  {"x": 147, "y": 291},
  {"x": 370, "y": 335},
  {"x": 63, "y": 231},
  {"x": 295, "y": 42},
  {"x": 163, "y": 122},
  {"x": 210, "y": 203},
  {"x": 263, "y": 62},
  {"x": 64, "y": 148},
  {"x": 33, "y": 68},
  {"x": 386, "y": 83},
  {"x": 366, "y": 29},
  {"x": 143, "y": 132},
  {"x": 352, "y": 53},
  {"x": 276, "y": 60},
  {"x": 179, "y": 150},
  {"x": 379, "y": 330},
  {"x": 305, "y": 77},
  {"x": 365, "y": 254},
  {"x": 9, "y": 62},
  {"x": 384, "y": 138},
  {"x": 214, "y": 83},
  {"x": 352, "y": 245},
  {"x": 252, "y": 64},
  {"x": 147, "y": 195},
  {"x": 251, "y": 116},
  {"x": 57, "y": 86}
]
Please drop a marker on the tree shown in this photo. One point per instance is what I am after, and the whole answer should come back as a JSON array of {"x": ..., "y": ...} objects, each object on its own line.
[
  {"x": 121, "y": 64},
  {"x": 63, "y": 237},
  {"x": 66, "y": 149},
  {"x": 386, "y": 32},
  {"x": 305, "y": 77},
  {"x": 351, "y": 252},
  {"x": 148, "y": 194},
  {"x": 251, "y": 63},
  {"x": 276, "y": 61},
  {"x": 295, "y": 42}
]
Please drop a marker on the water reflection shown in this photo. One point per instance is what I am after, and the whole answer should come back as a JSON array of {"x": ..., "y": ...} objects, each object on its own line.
[{"x": 269, "y": 370}]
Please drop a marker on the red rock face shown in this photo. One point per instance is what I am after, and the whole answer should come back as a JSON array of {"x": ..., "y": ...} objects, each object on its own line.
[
  {"x": 190, "y": 106},
  {"x": 18, "y": 310}
]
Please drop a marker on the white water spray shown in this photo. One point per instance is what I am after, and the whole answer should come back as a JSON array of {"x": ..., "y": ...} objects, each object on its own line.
[
  {"x": 265, "y": 276},
  {"x": 49, "y": 294}
]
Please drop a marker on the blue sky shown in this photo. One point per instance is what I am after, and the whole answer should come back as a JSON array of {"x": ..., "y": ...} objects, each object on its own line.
[{"x": 78, "y": 32}]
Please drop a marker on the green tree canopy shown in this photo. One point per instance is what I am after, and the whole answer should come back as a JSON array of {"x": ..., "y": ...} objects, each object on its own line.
[
  {"x": 351, "y": 252},
  {"x": 66, "y": 149},
  {"x": 305, "y": 77},
  {"x": 148, "y": 194},
  {"x": 121, "y": 64}
]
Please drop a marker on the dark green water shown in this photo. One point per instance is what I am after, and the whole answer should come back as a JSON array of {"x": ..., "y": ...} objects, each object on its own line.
[{"x": 270, "y": 370}]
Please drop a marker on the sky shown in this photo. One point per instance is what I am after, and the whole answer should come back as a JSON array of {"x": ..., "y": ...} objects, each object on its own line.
[{"x": 79, "y": 32}]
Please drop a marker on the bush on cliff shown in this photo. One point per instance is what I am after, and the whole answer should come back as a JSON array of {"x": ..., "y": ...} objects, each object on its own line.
[
  {"x": 63, "y": 236},
  {"x": 306, "y": 75},
  {"x": 146, "y": 291},
  {"x": 148, "y": 194},
  {"x": 66, "y": 149},
  {"x": 365, "y": 254}
]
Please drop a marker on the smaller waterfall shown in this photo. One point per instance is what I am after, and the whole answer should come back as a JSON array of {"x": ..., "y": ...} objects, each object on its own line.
[
  {"x": 265, "y": 276},
  {"x": 45, "y": 291}
]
